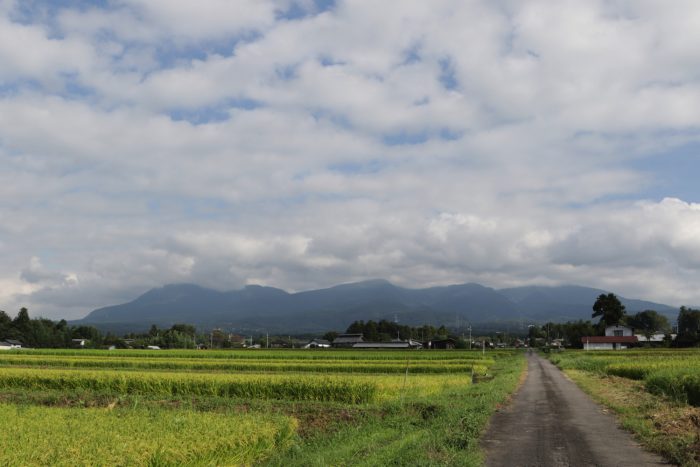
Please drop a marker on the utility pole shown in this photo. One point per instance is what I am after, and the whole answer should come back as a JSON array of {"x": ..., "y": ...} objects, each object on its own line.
[
  {"x": 470, "y": 336},
  {"x": 267, "y": 337}
]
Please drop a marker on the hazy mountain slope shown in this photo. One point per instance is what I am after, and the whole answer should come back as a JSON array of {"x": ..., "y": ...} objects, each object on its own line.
[{"x": 274, "y": 310}]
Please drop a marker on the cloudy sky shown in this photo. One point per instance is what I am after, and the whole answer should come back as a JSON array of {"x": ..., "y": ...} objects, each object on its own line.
[{"x": 304, "y": 143}]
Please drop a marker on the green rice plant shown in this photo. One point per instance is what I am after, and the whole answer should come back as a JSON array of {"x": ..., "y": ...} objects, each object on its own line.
[
  {"x": 630, "y": 370},
  {"x": 439, "y": 426},
  {"x": 68, "y": 436},
  {"x": 680, "y": 385},
  {"x": 672, "y": 372}
]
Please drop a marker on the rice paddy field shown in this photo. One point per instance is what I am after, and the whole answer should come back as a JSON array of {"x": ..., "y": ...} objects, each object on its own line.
[
  {"x": 672, "y": 372},
  {"x": 250, "y": 407}
]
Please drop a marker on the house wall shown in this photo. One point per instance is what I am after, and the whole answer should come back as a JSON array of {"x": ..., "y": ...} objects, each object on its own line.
[
  {"x": 610, "y": 330},
  {"x": 603, "y": 346},
  {"x": 597, "y": 346}
]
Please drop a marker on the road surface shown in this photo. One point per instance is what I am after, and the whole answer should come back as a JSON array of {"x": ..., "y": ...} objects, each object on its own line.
[{"x": 551, "y": 422}]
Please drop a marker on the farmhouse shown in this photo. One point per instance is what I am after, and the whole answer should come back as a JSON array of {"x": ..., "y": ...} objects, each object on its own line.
[{"x": 615, "y": 338}]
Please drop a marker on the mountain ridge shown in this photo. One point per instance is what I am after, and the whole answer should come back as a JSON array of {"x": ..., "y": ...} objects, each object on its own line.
[{"x": 256, "y": 307}]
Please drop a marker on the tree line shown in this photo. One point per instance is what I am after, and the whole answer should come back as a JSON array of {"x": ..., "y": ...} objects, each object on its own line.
[
  {"x": 45, "y": 333},
  {"x": 386, "y": 331}
]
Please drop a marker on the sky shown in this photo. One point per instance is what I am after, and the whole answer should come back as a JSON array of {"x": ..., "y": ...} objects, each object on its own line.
[{"x": 301, "y": 144}]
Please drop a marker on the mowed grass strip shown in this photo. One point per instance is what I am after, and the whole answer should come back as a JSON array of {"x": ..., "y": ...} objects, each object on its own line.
[
  {"x": 70, "y": 436},
  {"x": 256, "y": 386}
]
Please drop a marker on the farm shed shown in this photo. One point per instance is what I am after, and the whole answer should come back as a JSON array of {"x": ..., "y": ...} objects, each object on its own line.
[
  {"x": 448, "y": 343},
  {"x": 347, "y": 340},
  {"x": 656, "y": 337},
  {"x": 389, "y": 345},
  {"x": 10, "y": 344},
  {"x": 317, "y": 344}
]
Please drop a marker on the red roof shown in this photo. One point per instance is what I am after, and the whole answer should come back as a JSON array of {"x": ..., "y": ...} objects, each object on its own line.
[{"x": 609, "y": 339}]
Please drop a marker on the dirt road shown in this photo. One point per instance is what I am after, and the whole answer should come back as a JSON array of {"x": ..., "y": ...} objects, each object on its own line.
[{"x": 551, "y": 422}]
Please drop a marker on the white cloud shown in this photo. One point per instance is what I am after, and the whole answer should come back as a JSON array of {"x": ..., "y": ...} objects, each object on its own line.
[{"x": 222, "y": 143}]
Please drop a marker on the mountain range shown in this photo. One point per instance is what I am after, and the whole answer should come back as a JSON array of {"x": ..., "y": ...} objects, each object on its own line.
[{"x": 268, "y": 309}]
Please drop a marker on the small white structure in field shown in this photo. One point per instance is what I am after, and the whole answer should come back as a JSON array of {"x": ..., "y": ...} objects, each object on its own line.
[{"x": 317, "y": 344}]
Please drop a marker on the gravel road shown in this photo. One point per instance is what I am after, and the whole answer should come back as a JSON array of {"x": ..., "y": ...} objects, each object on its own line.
[{"x": 551, "y": 422}]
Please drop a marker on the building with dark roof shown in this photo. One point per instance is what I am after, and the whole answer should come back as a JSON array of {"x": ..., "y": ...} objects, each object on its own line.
[{"x": 347, "y": 340}]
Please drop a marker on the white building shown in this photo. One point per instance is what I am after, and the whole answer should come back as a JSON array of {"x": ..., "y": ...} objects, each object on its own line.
[
  {"x": 615, "y": 338},
  {"x": 656, "y": 337}
]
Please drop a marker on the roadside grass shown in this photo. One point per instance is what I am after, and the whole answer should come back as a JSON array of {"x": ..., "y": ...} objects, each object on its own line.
[
  {"x": 440, "y": 429},
  {"x": 661, "y": 424}
]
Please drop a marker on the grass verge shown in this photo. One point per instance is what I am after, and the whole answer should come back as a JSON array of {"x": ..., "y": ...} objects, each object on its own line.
[
  {"x": 442, "y": 429},
  {"x": 661, "y": 424}
]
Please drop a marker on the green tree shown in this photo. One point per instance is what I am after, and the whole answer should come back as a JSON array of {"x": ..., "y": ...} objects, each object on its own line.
[
  {"x": 575, "y": 330},
  {"x": 186, "y": 329},
  {"x": 21, "y": 321},
  {"x": 688, "y": 327},
  {"x": 648, "y": 322},
  {"x": 5, "y": 324},
  {"x": 610, "y": 310},
  {"x": 330, "y": 336}
]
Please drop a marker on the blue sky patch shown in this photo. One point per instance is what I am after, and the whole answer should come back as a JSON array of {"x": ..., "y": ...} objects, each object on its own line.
[
  {"x": 297, "y": 10},
  {"x": 357, "y": 168},
  {"x": 674, "y": 173},
  {"x": 404, "y": 138},
  {"x": 214, "y": 113},
  {"x": 448, "y": 78}
]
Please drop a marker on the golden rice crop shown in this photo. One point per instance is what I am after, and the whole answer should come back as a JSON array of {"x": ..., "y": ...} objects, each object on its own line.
[
  {"x": 256, "y": 386},
  {"x": 249, "y": 365},
  {"x": 276, "y": 354},
  {"x": 69, "y": 436}
]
